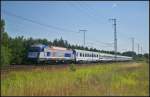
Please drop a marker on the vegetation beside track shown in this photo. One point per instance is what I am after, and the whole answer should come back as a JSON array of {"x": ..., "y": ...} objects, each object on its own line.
[{"x": 129, "y": 78}]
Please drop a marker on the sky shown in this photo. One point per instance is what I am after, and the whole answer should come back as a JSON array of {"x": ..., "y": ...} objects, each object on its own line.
[{"x": 56, "y": 19}]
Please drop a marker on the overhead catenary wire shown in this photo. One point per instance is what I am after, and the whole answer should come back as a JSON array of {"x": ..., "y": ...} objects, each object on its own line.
[
  {"x": 19, "y": 26},
  {"x": 39, "y": 23},
  {"x": 100, "y": 43},
  {"x": 36, "y": 22},
  {"x": 93, "y": 44},
  {"x": 104, "y": 43}
]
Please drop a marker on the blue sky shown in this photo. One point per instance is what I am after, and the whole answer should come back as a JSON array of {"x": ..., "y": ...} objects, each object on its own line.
[{"x": 132, "y": 21}]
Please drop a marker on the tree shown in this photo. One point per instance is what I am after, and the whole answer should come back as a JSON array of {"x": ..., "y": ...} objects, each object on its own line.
[
  {"x": 146, "y": 55},
  {"x": 2, "y": 24},
  {"x": 129, "y": 53},
  {"x": 5, "y": 50},
  {"x": 18, "y": 50},
  {"x": 5, "y": 56},
  {"x": 55, "y": 43}
]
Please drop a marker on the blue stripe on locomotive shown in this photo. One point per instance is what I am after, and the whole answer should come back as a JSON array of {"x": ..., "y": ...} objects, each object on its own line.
[{"x": 67, "y": 55}]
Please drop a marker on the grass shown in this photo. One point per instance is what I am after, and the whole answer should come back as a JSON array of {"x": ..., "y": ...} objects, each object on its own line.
[{"x": 122, "y": 79}]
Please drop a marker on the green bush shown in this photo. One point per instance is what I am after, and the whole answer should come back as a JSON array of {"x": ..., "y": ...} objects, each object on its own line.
[
  {"x": 72, "y": 67},
  {"x": 5, "y": 55}
]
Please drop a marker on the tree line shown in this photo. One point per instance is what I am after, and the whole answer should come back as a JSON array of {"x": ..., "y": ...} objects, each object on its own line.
[{"x": 15, "y": 50}]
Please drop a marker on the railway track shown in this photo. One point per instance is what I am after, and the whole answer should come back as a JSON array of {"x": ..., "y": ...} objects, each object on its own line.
[
  {"x": 35, "y": 66},
  {"x": 31, "y": 67},
  {"x": 9, "y": 68}
]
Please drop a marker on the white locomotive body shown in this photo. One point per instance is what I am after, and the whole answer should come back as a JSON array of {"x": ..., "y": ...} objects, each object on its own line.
[{"x": 46, "y": 53}]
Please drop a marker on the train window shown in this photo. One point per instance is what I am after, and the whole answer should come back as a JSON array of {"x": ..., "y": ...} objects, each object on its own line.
[
  {"x": 80, "y": 54},
  {"x": 97, "y": 56},
  {"x": 83, "y": 54},
  {"x": 48, "y": 53},
  {"x": 76, "y": 54},
  {"x": 42, "y": 50}
]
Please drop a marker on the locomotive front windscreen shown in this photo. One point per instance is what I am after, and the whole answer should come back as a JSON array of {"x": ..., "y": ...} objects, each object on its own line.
[{"x": 35, "y": 49}]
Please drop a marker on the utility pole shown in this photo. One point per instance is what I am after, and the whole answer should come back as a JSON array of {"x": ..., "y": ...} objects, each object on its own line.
[
  {"x": 83, "y": 36},
  {"x": 138, "y": 48},
  {"x": 115, "y": 37},
  {"x": 132, "y": 42},
  {"x": 132, "y": 39},
  {"x": 141, "y": 49}
]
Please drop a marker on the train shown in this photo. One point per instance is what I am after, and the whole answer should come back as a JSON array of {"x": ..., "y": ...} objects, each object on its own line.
[{"x": 44, "y": 53}]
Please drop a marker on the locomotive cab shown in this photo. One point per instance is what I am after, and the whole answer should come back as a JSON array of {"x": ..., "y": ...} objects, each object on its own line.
[{"x": 35, "y": 51}]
